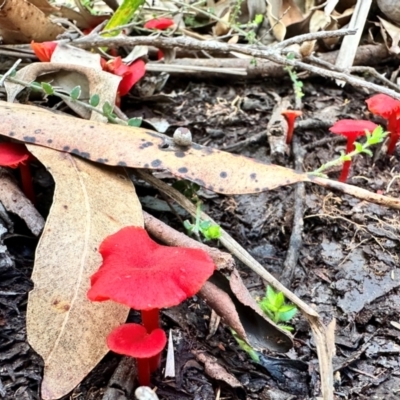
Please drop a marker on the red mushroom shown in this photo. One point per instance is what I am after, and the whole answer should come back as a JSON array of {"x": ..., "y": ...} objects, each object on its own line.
[
  {"x": 352, "y": 129},
  {"x": 146, "y": 276},
  {"x": 13, "y": 155},
  {"x": 388, "y": 108},
  {"x": 290, "y": 116},
  {"x": 133, "y": 340}
]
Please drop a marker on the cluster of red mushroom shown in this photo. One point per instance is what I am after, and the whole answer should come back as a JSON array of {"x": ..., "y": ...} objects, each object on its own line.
[{"x": 138, "y": 272}]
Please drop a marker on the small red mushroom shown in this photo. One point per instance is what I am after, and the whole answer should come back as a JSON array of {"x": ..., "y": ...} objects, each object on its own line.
[
  {"x": 388, "y": 108},
  {"x": 133, "y": 340},
  {"x": 351, "y": 129},
  {"x": 140, "y": 273},
  {"x": 15, "y": 155},
  {"x": 159, "y": 23},
  {"x": 290, "y": 116}
]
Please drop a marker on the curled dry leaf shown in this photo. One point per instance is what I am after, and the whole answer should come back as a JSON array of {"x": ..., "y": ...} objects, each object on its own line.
[
  {"x": 63, "y": 326},
  {"x": 66, "y": 75},
  {"x": 217, "y": 371},
  {"x": 139, "y": 148},
  {"x": 387, "y": 28},
  {"x": 22, "y": 22},
  {"x": 15, "y": 201}
]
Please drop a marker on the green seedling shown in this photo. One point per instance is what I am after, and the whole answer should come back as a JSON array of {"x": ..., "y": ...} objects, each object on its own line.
[
  {"x": 253, "y": 354},
  {"x": 206, "y": 228},
  {"x": 275, "y": 307},
  {"x": 297, "y": 83}
]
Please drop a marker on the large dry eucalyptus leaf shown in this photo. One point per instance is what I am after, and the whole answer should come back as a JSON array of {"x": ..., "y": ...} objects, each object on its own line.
[
  {"x": 68, "y": 331},
  {"x": 139, "y": 148},
  {"x": 391, "y": 9}
]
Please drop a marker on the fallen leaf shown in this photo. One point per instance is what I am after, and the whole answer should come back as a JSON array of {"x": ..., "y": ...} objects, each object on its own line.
[
  {"x": 394, "y": 32},
  {"x": 22, "y": 22},
  {"x": 67, "y": 76},
  {"x": 118, "y": 145},
  {"x": 281, "y": 14},
  {"x": 67, "y": 330}
]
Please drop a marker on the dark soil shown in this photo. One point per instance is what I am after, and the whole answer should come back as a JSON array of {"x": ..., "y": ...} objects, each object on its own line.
[{"x": 347, "y": 268}]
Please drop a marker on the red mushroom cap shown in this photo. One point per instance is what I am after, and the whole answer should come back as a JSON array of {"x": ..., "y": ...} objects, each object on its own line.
[
  {"x": 144, "y": 275},
  {"x": 159, "y": 23},
  {"x": 383, "y": 105},
  {"x": 292, "y": 113},
  {"x": 133, "y": 340},
  {"x": 352, "y": 128},
  {"x": 13, "y": 154}
]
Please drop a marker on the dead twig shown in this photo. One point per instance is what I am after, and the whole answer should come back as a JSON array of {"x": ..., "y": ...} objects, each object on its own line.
[
  {"x": 296, "y": 241},
  {"x": 271, "y": 53}
]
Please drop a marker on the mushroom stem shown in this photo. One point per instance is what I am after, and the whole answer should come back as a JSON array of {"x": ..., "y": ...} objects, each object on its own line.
[
  {"x": 26, "y": 180},
  {"x": 346, "y": 165},
  {"x": 143, "y": 371},
  {"x": 151, "y": 319},
  {"x": 155, "y": 362},
  {"x": 393, "y": 129}
]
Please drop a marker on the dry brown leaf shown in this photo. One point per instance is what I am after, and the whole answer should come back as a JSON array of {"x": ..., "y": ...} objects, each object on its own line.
[
  {"x": 118, "y": 145},
  {"x": 15, "y": 201},
  {"x": 68, "y": 331},
  {"x": 22, "y": 22},
  {"x": 394, "y": 32},
  {"x": 217, "y": 371},
  {"x": 282, "y": 13}
]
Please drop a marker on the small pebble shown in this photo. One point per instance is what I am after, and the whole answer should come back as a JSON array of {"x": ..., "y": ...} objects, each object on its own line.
[{"x": 182, "y": 137}]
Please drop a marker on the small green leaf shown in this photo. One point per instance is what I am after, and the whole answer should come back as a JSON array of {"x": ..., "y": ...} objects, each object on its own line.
[
  {"x": 135, "y": 122},
  {"x": 287, "y": 315},
  {"x": 94, "y": 100},
  {"x": 75, "y": 93},
  {"x": 107, "y": 109},
  {"x": 270, "y": 294},
  {"x": 279, "y": 300},
  {"x": 359, "y": 147},
  {"x": 286, "y": 327},
  {"x": 258, "y": 19},
  {"x": 47, "y": 88}
]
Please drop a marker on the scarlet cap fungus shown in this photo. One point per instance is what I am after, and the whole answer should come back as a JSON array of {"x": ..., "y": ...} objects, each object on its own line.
[
  {"x": 159, "y": 23},
  {"x": 388, "y": 108},
  {"x": 44, "y": 50},
  {"x": 130, "y": 74},
  {"x": 290, "y": 116},
  {"x": 15, "y": 155},
  {"x": 351, "y": 129},
  {"x": 140, "y": 273},
  {"x": 134, "y": 340}
]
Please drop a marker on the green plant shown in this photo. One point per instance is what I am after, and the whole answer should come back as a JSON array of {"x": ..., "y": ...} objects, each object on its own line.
[
  {"x": 206, "y": 228},
  {"x": 377, "y": 136},
  {"x": 274, "y": 305},
  {"x": 297, "y": 84}
]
